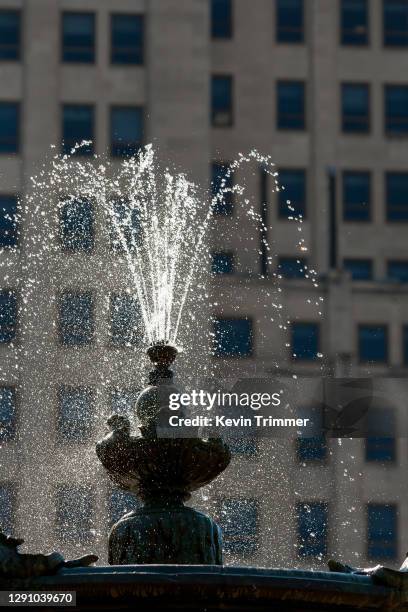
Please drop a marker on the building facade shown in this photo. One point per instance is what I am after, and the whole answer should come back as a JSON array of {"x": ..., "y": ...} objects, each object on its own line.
[{"x": 320, "y": 87}]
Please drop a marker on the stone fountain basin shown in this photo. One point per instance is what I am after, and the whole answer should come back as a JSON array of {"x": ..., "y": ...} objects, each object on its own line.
[{"x": 160, "y": 468}]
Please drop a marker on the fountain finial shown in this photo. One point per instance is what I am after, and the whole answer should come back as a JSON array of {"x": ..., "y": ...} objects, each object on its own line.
[{"x": 161, "y": 354}]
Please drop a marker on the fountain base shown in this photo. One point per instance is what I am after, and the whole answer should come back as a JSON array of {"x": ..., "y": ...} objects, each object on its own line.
[{"x": 173, "y": 534}]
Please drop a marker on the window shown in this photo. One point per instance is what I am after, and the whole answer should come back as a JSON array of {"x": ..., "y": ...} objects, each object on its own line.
[
  {"x": 75, "y": 414},
  {"x": 7, "y": 413},
  {"x": 360, "y": 269},
  {"x": 305, "y": 341},
  {"x": 122, "y": 401},
  {"x": 221, "y": 101},
  {"x": 373, "y": 343},
  {"x": 233, "y": 337},
  {"x": 239, "y": 523},
  {"x": 76, "y": 319},
  {"x": 221, "y": 18},
  {"x": 311, "y": 449},
  {"x": 396, "y": 110},
  {"x": 9, "y": 127},
  {"x": 398, "y": 271},
  {"x": 126, "y": 130},
  {"x": 292, "y": 193},
  {"x": 291, "y": 105},
  {"x": 222, "y": 179},
  {"x": 354, "y": 22},
  {"x": 405, "y": 343},
  {"x": 75, "y": 508},
  {"x": 380, "y": 449},
  {"x": 247, "y": 447},
  {"x": 396, "y": 186},
  {"x": 120, "y": 503},
  {"x": 125, "y": 321},
  {"x": 222, "y": 263},
  {"x": 291, "y": 267},
  {"x": 289, "y": 21},
  {"x": 356, "y": 196},
  {"x": 8, "y": 221},
  {"x": 8, "y": 316},
  {"x": 126, "y": 227},
  {"x": 127, "y": 39},
  {"x": 395, "y": 23},
  {"x": 78, "y": 37},
  {"x": 312, "y": 529},
  {"x": 77, "y": 225},
  {"x": 382, "y": 531},
  {"x": 6, "y": 509},
  {"x": 10, "y": 35},
  {"x": 355, "y": 108},
  {"x": 77, "y": 126}
]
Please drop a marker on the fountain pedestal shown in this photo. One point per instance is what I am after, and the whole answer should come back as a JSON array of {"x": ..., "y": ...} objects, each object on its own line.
[{"x": 162, "y": 472}]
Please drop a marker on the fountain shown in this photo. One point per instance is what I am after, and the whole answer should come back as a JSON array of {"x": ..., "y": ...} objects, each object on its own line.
[
  {"x": 163, "y": 473},
  {"x": 166, "y": 555}
]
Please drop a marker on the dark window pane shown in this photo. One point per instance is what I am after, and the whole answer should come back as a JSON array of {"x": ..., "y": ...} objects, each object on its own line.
[
  {"x": 126, "y": 131},
  {"x": 396, "y": 109},
  {"x": 77, "y": 225},
  {"x": 75, "y": 511},
  {"x": 380, "y": 449},
  {"x": 354, "y": 22},
  {"x": 78, "y": 37},
  {"x": 10, "y": 35},
  {"x": 405, "y": 343},
  {"x": 305, "y": 341},
  {"x": 398, "y": 271},
  {"x": 75, "y": 415},
  {"x": 122, "y": 401},
  {"x": 233, "y": 337},
  {"x": 126, "y": 227},
  {"x": 8, "y": 316},
  {"x": 312, "y": 529},
  {"x": 397, "y": 196},
  {"x": 292, "y": 190},
  {"x": 8, "y": 221},
  {"x": 372, "y": 343},
  {"x": 221, "y": 101},
  {"x": 395, "y": 22},
  {"x": 221, "y": 18},
  {"x": 311, "y": 449},
  {"x": 222, "y": 179},
  {"x": 6, "y": 509},
  {"x": 76, "y": 319},
  {"x": 289, "y": 21},
  {"x": 355, "y": 107},
  {"x": 7, "y": 413},
  {"x": 291, "y": 267},
  {"x": 9, "y": 127},
  {"x": 125, "y": 321},
  {"x": 361, "y": 269},
  {"x": 382, "y": 531},
  {"x": 239, "y": 523},
  {"x": 78, "y": 125},
  {"x": 222, "y": 263},
  {"x": 127, "y": 33},
  {"x": 247, "y": 447},
  {"x": 120, "y": 503},
  {"x": 290, "y": 105},
  {"x": 356, "y": 196}
]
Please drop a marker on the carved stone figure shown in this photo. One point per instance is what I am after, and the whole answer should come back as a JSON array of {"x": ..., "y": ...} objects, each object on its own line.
[
  {"x": 397, "y": 579},
  {"x": 19, "y": 565}
]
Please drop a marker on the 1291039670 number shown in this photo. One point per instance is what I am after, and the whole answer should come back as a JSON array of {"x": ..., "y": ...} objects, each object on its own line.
[{"x": 37, "y": 598}]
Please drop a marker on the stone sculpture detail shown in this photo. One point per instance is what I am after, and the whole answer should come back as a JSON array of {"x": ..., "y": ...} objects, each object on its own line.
[
  {"x": 397, "y": 579},
  {"x": 162, "y": 472},
  {"x": 18, "y": 565}
]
